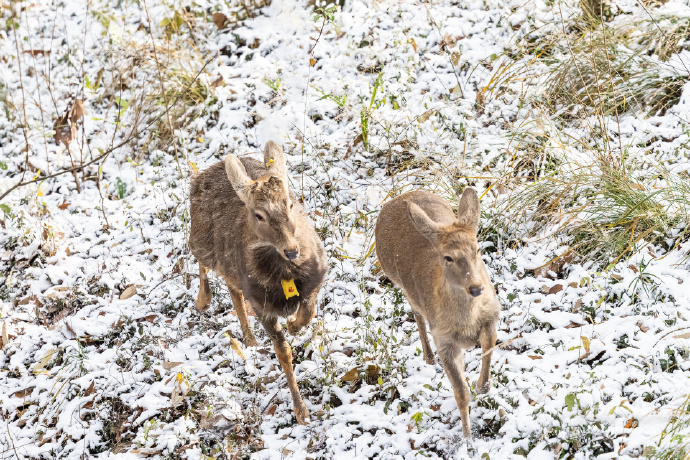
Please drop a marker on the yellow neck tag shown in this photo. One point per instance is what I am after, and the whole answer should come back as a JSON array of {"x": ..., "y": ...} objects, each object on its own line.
[{"x": 289, "y": 288}]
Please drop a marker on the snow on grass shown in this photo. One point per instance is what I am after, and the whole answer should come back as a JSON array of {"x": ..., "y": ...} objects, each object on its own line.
[{"x": 106, "y": 355}]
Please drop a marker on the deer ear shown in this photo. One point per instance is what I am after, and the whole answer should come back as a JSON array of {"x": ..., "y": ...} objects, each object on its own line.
[
  {"x": 274, "y": 159},
  {"x": 469, "y": 210},
  {"x": 237, "y": 176},
  {"x": 423, "y": 222}
]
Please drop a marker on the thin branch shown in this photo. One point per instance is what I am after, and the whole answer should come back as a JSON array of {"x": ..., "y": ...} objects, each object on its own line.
[{"x": 112, "y": 149}]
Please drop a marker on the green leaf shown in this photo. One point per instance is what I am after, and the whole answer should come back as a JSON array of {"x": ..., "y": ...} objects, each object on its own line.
[
  {"x": 570, "y": 401},
  {"x": 3, "y": 165},
  {"x": 6, "y": 209},
  {"x": 417, "y": 417},
  {"x": 486, "y": 456}
]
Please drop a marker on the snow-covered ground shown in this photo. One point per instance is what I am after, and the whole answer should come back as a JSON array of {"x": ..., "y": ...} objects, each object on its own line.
[{"x": 103, "y": 352}]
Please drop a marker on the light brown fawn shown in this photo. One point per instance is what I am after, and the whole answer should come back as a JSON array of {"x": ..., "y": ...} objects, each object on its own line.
[
  {"x": 433, "y": 256},
  {"x": 252, "y": 231}
]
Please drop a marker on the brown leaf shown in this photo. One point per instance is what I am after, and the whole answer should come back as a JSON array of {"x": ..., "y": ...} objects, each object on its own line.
[
  {"x": 272, "y": 410},
  {"x": 413, "y": 43},
  {"x": 632, "y": 423},
  {"x": 220, "y": 81},
  {"x": 36, "y": 52},
  {"x": 151, "y": 318},
  {"x": 637, "y": 186},
  {"x": 435, "y": 407},
  {"x": 91, "y": 389},
  {"x": 171, "y": 365},
  {"x": 312, "y": 61},
  {"x": 237, "y": 348},
  {"x": 219, "y": 19},
  {"x": 535, "y": 357},
  {"x": 351, "y": 375},
  {"x": 556, "y": 288},
  {"x": 24, "y": 393},
  {"x": 372, "y": 370},
  {"x": 5, "y": 337},
  {"x": 455, "y": 58},
  {"x": 681, "y": 336},
  {"x": 66, "y": 126},
  {"x": 63, "y": 206},
  {"x": 130, "y": 291}
]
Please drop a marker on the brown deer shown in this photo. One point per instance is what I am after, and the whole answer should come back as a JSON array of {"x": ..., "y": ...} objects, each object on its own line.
[
  {"x": 433, "y": 256},
  {"x": 250, "y": 229}
]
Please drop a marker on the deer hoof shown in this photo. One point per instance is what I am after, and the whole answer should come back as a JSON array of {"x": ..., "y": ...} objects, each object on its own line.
[
  {"x": 302, "y": 415},
  {"x": 293, "y": 326},
  {"x": 203, "y": 303},
  {"x": 483, "y": 388}
]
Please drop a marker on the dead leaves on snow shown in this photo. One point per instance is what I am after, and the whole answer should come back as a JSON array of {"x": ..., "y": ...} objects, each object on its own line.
[{"x": 66, "y": 126}]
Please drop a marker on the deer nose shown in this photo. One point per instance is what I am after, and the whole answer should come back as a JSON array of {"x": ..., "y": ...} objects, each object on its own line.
[
  {"x": 475, "y": 291},
  {"x": 291, "y": 254}
]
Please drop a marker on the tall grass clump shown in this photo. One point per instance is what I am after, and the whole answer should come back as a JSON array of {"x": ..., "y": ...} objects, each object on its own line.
[
  {"x": 674, "y": 441},
  {"x": 604, "y": 206},
  {"x": 599, "y": 73}
]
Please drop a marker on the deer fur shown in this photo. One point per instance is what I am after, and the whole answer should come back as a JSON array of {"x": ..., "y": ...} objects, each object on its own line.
[
  {"x": 250, "y": 229},
  {"x": 433, "y": 256}
]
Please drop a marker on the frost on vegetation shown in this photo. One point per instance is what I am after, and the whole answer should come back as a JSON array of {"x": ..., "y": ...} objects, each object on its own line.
[{"x": 570, "y": 124}]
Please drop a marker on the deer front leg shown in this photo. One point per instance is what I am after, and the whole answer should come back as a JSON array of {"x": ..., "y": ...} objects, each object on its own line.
[
  {"x": 203, "y": 300},
  {"x": 424, "y": 337},
  {"x": 453, "y": 364},
  {"x": 238, "y": 302},
  {"x": 304, "y": 314},
  {"x": 284, "y": 353},
  {"x": 487, "y": 340}
]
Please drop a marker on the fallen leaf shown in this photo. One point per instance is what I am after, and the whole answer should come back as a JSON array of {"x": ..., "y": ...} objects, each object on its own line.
[
  {"x": 456, "y": 90},
  {"x": 272, "y": 410},
  {"x": 435, "y": 407},
  {"x": 632, "y": 423},
  {"x": 44, "y": 361},
  {"x": 130, "y": 291},
  {"x": 235, "y": 345},
  {"x": 351, "y": 375},
  {"x": 63, "y": 206},
  {"x": 425, "y": 116},
  {"x": 23, "y": 393},
  {"x": 66, "y": 126},
  {"x": 681, "y": 336},
  {"x": 219, "y": 19},
  {"x": 91, "y": 389},
  {"x": 455, "y": 58},
  {"x": 171, "y": 365},
  {"x": 218, "y": 82},
  {"x": 556, "y": 288},
  {"x": 36, "y": 52},
  {"x": 535, "y": 357},
  {"x": 585, "y": 343},
  {"x": 312, "y": 61},
  {"x": 413, "y": 43}
]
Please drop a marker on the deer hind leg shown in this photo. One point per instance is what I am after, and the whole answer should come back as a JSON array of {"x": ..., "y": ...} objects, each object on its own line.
[
  {"x": 284, "y": 353},
  {"x": 424, "y": 337},
  {"x": 453, "y": 363},
  {"x": 238, "y": 302},
  {"x": 203, "y": 300},
  {"x": 487, "y": 340}
]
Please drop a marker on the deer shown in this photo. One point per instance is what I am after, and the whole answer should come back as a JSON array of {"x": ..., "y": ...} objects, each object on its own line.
[
  {"x": 433, "y": 256},
  {"x": 249, "y": 228}
]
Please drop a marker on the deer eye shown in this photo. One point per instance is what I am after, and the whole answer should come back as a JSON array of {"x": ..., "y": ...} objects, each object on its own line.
[
  {"x": 259, "y": 217},
  {"x": 448, "y": 258}
]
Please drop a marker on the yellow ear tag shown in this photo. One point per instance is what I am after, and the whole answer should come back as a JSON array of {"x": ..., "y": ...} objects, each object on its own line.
[
  {"x": 289, "y": 288},
  {"x": 269, "y": 164}
]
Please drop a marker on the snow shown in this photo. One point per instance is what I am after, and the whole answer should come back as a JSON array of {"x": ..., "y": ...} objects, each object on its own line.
[{"x": 574, "y": 367}]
